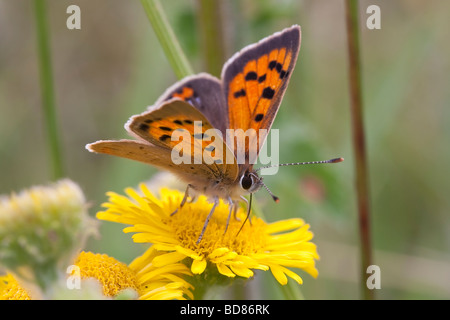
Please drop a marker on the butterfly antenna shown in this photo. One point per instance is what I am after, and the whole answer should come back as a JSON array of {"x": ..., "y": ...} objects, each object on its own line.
[
  {"x": 335, "y": 160},
  {"x": 274, "y": 197}
]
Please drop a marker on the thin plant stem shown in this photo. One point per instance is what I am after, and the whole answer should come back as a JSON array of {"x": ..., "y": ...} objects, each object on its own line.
[
  {"x": 47, "y": 90},
  {"x": 167, "y": 39},
  {"x": 291, "y": 291},
  {"x": 359, "y": 146},
  {"x": 212, "y": 34}
]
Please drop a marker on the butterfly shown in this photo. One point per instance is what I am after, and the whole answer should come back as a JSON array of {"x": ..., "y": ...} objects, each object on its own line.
[{"x": 200, "y": 107}]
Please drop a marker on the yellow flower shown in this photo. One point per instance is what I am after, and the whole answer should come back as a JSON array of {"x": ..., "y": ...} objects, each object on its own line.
[
  {"x": 41, "y": 229},
  {"x": 114, "y": 276},
  {"x": 276, "y": 246},
  {"x": 10, "y": 289},
  {"x": 160, "y": 283}
]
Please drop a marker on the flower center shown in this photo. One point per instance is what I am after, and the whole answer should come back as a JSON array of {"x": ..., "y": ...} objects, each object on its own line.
[{"x": 188, "y": 224}]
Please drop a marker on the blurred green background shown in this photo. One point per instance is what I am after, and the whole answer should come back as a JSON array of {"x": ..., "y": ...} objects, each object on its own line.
[{"x": 114, "y": 67}]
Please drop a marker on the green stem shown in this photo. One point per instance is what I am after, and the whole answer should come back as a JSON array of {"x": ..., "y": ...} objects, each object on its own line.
[
  {"x": 359, "y": 146},
  {"x": 211, "y": 30},
  {"x": 291, "y": 291},
  {"x": 47, "y": 91},
  {"x": 166, "y": 37}
]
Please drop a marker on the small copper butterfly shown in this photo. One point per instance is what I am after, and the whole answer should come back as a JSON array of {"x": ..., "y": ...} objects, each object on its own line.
[{"x": 245, "y": 99}]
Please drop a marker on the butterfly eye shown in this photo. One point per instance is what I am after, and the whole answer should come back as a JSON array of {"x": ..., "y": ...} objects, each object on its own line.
[{"x": 246, "y": 182}]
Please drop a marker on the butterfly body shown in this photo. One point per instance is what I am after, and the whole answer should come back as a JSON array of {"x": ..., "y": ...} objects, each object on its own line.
[
  {"x": 209, "y": 131},
  {"x": 222, "y": 188}
]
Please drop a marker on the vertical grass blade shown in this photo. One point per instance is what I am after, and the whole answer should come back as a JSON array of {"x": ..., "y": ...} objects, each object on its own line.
[
  {"x": 47, "y": 90},
  {"x": 166, "y": 37},
  {"x": 210, "y": 18},
  {"x": 359, "y": 146}
]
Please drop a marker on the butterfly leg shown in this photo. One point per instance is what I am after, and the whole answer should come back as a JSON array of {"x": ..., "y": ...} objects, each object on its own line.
[
  {"x": 186, "y": 195},
  {"x": 232, "y": 206},
  {"x": 236, "y": 207},
  {"x": 216, "y": 203},
  {"x": 192, "y": 199}
]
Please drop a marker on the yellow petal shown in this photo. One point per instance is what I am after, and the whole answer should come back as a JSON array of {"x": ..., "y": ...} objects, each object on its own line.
[
  {"x": 242, "y": 271},
  {"x": 293, "y": 275},
  {"x": 168, "y": 258},
  {"x": 278, "y": 273},
  {"x": 198, "y": 266},
  {"x": 142, "y": 261},
  {"x": 225, "y": 257},
  {"x": 158, "y": 273},
  {"x": 223, "y": 269},
  {"x": 136, "y": 197},
  {"x": 218, "y": 253},
  {"x": 284, "y": 225},
  {"x": 148, "y": 194},
  {"x": 164, "y": 247},
  {"x": 188, "y": 252}
]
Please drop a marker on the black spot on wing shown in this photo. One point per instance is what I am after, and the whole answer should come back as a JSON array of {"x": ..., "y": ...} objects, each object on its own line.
[
  {"x": 288, "y": 38},
  {"x": 275, "y": 65},
  {"x": 164, "y": 137},
  {"x": 272, "y": 64},
  {"x": 268, "y": 93},
  {"x": 240, "y": 93},
  {"x": 143, "y": 127},
  {"x": 278, "y": 67},
  {"x": 251, "y": 76},
  {"x": 259, "y": 117}
]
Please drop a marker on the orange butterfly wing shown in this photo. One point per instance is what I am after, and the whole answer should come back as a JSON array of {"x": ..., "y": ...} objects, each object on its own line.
[
  {"x": 204, "y": 92},
  {"x": 178, "y": 124},
  {"x": 247, "y": 97},
  {"x": 254, "y": 82}
]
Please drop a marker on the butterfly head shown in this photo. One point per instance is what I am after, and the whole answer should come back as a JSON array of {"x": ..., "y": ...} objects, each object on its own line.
[{"x": 250, "y": 182}]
